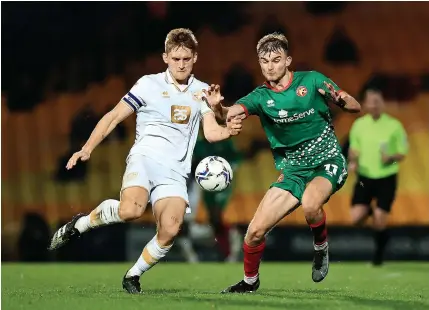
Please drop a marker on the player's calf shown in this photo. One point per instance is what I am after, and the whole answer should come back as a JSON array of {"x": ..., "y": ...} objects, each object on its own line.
[
  {"x": 273, "y": 207},
  {"x": 110, "y": 211},
  {"x": 316, "y": 194},
  {"x": 169, "y": 214}
]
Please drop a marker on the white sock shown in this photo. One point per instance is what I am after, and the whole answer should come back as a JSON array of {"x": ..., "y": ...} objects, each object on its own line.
[
  {"x": 322, "y": 246},
  {"x": 251, "y": 280},
  {"x": 106, "y": 213},
  {"x": 150, "y": 256}
]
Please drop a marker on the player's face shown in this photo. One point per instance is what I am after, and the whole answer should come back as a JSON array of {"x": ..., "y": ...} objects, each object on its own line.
[
  {"x": 374, "y": 103},
  {"x": 274, "y": 65},
  {"x": 180, "y": 62}
]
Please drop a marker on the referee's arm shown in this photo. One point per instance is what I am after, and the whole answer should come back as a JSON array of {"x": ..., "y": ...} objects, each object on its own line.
[{"x": 400, "y": 143}]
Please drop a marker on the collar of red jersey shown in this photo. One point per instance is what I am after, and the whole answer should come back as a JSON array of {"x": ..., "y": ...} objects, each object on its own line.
[{"x": 169, "y": 79}]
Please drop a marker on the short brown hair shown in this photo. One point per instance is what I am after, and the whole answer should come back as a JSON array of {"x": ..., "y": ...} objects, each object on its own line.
[
  {"x": 272, "y": 42},
  {"x": 181, "y": 37}
]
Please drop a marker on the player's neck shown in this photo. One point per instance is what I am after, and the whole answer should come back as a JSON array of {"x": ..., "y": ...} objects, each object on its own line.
[
  {"x": 283, "y": 82},
  {"x": 179, "y": 82},
  {"x": 376, "y": 117}
]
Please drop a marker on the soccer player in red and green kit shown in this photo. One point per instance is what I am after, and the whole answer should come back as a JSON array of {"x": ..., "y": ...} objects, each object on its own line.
[{"x": 294, "y": 112}]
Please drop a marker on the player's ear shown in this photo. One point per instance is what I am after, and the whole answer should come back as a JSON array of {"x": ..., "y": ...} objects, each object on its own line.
[
  {"x": 195, "y": 57},
  {"x": 288, "y": 60},
  {"x": 165, "y": 57}
]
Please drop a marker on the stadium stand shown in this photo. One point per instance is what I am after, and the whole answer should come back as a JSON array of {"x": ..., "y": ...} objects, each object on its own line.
[{"x": 392, "y": 42}]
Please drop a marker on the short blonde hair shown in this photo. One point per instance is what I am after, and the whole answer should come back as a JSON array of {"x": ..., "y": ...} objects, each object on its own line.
[
  {"x": 272, "y": 42},
  {"x": 181, "y": 37}
]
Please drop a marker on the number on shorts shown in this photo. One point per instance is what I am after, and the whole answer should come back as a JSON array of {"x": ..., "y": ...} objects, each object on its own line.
[{"x": 331, "y": 169}]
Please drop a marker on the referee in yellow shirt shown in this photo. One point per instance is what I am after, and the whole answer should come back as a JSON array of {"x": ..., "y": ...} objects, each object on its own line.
[{"x": 378, "y": 142}]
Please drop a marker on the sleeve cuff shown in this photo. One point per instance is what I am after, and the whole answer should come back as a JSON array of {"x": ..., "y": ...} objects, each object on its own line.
[{"x": 245, "y": 109}]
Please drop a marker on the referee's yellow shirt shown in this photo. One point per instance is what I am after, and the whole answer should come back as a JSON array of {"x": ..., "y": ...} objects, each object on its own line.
[{"x": 368, "y": 137}]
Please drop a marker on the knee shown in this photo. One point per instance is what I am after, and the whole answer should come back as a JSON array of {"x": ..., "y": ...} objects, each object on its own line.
[
  {"x": 311, "y": 204},
  {"x": 255, "y": 234},
  {"x": 130, "y": 210},
  {"x": 168, "y": 230},
  {"x": 380, "y": 222}
]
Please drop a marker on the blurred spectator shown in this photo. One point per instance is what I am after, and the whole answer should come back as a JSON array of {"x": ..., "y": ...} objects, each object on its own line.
[{"x": 340, "y": 49}]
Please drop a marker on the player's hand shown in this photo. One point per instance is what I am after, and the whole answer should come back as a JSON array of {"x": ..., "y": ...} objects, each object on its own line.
[
  {"x": 82, "y": 155},
  {"x": 232, "y": 114},
  {"x": 385, "y": 159},
  {"x": 336, "y": 97},
  {"x": 213, "y": 96},
  {"x": 352, "y": 167},
  {"x": 234, "y": 126}
]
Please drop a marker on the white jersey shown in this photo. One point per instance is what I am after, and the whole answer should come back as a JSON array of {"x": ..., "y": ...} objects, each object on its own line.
[{"x": 168, "y": 119}]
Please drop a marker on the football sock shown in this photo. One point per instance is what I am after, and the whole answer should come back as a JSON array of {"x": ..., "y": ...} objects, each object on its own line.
[
  {"x": 252, "y": 260},
  {"x": 106, "y": 213},
  {"x": 222, "y": 238},
  {"x": 150, "y": 256},
  {"x": 320, "y": 232},
  {"x": 381, "y": 238}
]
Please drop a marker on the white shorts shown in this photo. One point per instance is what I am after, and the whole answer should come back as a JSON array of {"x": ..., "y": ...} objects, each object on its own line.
[{"x": 159, "y": 180}]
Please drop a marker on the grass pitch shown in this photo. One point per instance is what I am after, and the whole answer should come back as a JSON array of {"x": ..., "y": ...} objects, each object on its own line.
[{"x": 398, "y": 286}]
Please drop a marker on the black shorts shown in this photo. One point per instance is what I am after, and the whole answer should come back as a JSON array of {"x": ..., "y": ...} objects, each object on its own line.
[{"x": 383, "y": 190}]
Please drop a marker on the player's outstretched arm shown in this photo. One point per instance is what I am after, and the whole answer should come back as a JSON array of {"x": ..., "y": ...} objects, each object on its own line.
[
  {"x": 103, "y": 128},
  {"x": 342, "y": 99},
  {"x": 213, "y": 132},
  {"x": 213, "y": 98},
  {"x": 237, "y": 111}
]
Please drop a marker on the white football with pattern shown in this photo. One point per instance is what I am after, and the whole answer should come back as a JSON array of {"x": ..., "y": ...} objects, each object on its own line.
[{"x": 213, "y": 174}]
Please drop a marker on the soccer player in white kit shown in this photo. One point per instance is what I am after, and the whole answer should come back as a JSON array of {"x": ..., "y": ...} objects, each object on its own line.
[{"x": 169, "y": 107}]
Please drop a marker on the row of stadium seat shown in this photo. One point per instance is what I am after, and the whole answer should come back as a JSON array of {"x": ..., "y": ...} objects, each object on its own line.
[{"x": 33, "y": 142}]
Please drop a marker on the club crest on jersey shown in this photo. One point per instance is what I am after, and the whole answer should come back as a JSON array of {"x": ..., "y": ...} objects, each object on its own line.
[
  {"x": 165, "y": 94},
  {"x": 301, "y": 91},
  {"x": 198, "y": 96},
  {"x": 270, "y": 103}
]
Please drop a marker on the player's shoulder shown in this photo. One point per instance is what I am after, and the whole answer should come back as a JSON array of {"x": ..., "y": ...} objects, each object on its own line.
[
  {"x": 258, "y": 92},
  {"x": 200, "y": 84},
  {"x": 260, "y": 89},
  {"x": 361, "y": 120}
]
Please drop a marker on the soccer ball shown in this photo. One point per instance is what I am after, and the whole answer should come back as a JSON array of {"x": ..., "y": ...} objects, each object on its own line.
[{"x": 213, "y": 174}]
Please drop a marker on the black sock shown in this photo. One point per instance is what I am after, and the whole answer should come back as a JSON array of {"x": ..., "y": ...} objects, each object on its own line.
[{"x": 380, "y": 237}]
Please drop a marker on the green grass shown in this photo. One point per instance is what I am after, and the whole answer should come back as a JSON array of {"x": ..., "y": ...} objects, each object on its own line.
[{"x": 398, "y": 286}]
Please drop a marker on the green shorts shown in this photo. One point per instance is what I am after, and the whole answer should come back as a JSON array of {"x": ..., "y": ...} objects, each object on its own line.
[
  {"x": 217, "y": 199},
  {"x": 294, "y": 179}
]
